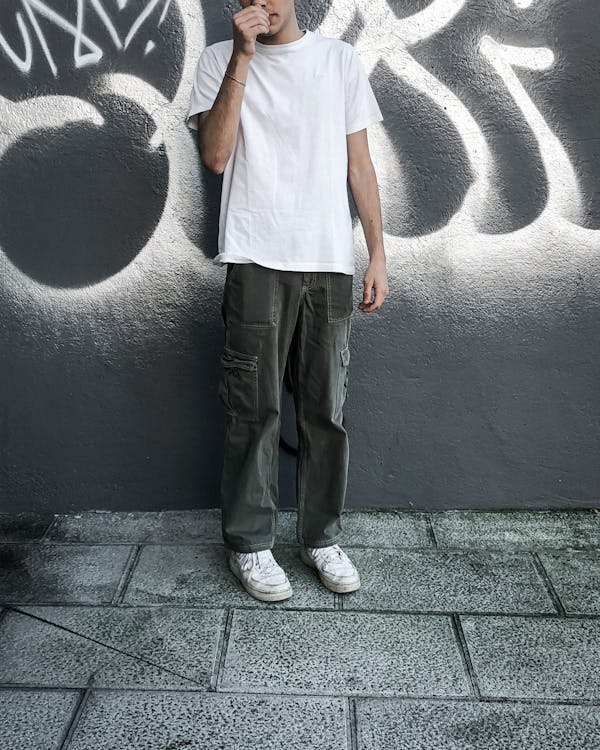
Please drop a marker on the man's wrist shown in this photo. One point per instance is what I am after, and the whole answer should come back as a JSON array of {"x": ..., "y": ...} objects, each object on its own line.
[
  {"x": 377, "y": 256},
  {"x": 237, "y": 69},
  {"x": 238, "y": 63}
]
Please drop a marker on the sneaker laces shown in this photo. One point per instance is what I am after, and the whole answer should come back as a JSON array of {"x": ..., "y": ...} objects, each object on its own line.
[
  {"x": 263, "y": 559},
  {"x": 332, "y": 553}
]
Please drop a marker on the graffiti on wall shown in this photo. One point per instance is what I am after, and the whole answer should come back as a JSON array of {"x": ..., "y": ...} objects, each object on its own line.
[
  {"x": 85, "y": 50},
  {"x": 465, "y": 131},
  {"x": 477, "y": 141},
  {"x": 488, "y": 161}
]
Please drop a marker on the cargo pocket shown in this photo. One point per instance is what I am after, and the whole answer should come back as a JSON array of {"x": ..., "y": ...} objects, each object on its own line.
[
  {"x": 343, "y": 380},
  {"x": 238, "y": 387}
]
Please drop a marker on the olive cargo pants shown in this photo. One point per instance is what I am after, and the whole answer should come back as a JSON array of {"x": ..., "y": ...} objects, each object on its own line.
[{"x": 269, "y": 313}]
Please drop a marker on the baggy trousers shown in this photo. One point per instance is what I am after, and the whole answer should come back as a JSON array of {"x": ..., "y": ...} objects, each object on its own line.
[{"x": 270, "y": 315}]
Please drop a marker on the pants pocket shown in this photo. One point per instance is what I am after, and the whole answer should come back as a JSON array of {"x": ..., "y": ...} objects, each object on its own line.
[
  {"x": 339, "y": 296},
  {"x": 250, "y": 295},
  {"x": 238, "y": 387}
]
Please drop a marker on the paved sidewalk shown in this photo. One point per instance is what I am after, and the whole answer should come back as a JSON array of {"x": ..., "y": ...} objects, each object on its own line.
[{"x": 472, "y": 630}]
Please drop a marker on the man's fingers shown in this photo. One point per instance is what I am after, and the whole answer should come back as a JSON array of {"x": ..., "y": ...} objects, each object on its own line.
[
  {"x": 253, "y": 25},
  {"x": 252, "y": 21},
  {"x": 366, "y": 305},
  {"x": 250, "y": 26},
  {"x": 379, "y": 297},
  {"x": 252, "y": 11}
]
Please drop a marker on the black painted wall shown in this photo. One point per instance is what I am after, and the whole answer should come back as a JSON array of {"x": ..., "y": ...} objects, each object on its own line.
[{"x": 477, "y": 383}]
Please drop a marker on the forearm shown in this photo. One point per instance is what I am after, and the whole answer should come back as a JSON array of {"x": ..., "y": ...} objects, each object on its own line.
[
  {"x": 365, "y": 191},
  {"x": 217, "y": 133}
]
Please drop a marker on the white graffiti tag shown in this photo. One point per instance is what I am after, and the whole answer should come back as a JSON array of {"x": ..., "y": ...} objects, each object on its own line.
[
  {"x": 86, "y": 51},
  {"x": 384, "y": 36}
]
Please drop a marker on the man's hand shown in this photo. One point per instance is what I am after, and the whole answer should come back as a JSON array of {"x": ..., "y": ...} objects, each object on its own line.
[
  {"x": 247, "y": 24},
  {"x": 375, "y": 279}
]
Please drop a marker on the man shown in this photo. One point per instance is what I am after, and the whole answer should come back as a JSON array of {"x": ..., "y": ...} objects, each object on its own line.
[{"x": 282, "y": 113}]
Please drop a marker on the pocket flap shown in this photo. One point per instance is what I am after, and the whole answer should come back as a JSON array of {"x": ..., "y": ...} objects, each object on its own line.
[{"x": 231, "y": 358}]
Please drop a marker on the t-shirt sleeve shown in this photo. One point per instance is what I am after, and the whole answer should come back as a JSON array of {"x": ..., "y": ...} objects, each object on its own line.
[
  {"x": 362, "y": 108},
  {"x": 205, "y": 87}
]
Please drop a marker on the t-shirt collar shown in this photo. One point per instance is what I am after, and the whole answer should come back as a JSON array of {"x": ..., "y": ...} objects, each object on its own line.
[{"x": 278, "y": 49}]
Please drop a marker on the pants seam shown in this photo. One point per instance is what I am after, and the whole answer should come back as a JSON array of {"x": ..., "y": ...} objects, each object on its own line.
[
  {"x": 302, "y": 444},
  {"x": 275, "y": 448}
]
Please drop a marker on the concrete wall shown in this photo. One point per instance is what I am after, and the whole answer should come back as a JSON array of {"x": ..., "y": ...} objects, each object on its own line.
[{"x": 476, "y": 385}]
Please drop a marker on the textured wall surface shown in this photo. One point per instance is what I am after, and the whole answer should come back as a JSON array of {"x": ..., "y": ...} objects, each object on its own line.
[{"x": 476, "y": 384}]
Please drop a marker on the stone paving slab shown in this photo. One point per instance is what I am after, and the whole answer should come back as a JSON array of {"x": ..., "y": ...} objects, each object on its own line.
[
  {"x": 64, "y": 573},
  {"x": 460, "y": 725},
  {"x": 575, "y": 575},
  {"x": 199, "y": 575},
  {"x": 202, "y": 525},
  {"x": 343, "y": 653},
  {"x": 517, "y": 528},
  {"x": 110, "y": 647},
  {"x": 35, "y": 719},
  {"x": 448, "y": 580},
  {"x": 23, "y": 527},
  {"x": 384, "y": 528},
  {"x": 535, "y": 657},
  {"x": 196, "y": 721}
]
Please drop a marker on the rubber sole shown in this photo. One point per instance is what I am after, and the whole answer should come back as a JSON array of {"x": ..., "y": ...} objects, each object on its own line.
[
  {"x": 338, "y": 588},
  {"x": 263, "y": 596}
]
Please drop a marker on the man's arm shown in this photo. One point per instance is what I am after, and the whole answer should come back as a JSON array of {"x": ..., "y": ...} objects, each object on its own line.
[
  {"x": 217, "y": 127},
  {"x": 365, "y": 191}
]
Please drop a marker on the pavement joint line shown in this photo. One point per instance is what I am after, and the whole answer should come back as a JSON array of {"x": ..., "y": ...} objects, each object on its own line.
[
  {"x": 325, "y": 610},
  {"x": 465, "y": 656},
  {"x": 25, "y": 686},
  {"x": 48, "y": 528},
  {"x": 101, "y": 689},
  {"x": 130, "y": 564},
  {"x": 74, "y": 721},
  {"x": 352, "y": 724},
  {"x": 357, "y": 697},
  {"x": 469, "y": 700},
  {"x": 516, "y": 549},
  {"x": 547, "y": 581},
  {"x": 111, "y": 543},
  {"x": 167, "y": 605},
  {"x": 430, "y": 530},
  {"x": 104, "y": 645},
  {"x": 245, "y": 689},
  {"x": 219, "y": 660},
  {"x": 222, "y": 650}
]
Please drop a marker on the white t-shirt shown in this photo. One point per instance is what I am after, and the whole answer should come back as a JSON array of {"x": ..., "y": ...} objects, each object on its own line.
[{"x": 284, "y": 201}]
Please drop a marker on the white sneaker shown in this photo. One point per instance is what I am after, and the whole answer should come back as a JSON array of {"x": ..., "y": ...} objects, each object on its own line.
[
  {"x": 334, "y": 567},
  {"x": 260, "y": 574}
]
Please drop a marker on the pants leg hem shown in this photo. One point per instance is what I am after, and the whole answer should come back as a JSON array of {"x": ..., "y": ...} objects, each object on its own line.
[
  {"x": 322, "y": 542},
  {"x": 250, "y": 547}
]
